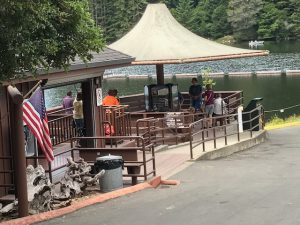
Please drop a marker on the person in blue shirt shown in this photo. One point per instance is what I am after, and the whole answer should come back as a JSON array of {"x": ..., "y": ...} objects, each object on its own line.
[{"x": 195, "y": 92}]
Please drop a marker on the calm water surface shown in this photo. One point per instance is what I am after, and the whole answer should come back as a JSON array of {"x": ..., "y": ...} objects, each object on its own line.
[
  {"x": 283, "y": 55},
  {"x": 278, "y": 91}
]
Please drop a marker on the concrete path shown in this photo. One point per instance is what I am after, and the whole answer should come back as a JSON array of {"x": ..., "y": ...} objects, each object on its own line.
[
  {"x": 255, "y": 187},
  {"x": 177, "y": 157}
]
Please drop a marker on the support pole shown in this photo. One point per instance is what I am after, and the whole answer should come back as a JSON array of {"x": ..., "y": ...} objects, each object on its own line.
[
  {"x": 160, "y": 74},
  {"x": 19, "y": 151}
]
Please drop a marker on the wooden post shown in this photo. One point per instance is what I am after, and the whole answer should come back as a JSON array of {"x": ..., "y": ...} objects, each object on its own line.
[
  {"x": 19, "y": 151},
  {"x": 160, "y": 74}
]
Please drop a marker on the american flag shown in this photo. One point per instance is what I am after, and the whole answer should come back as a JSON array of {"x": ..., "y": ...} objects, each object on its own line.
[{"x": 35, "y": 117}]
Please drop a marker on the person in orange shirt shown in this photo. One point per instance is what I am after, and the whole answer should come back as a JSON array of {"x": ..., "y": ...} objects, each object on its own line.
[{"x": 111, "y": 99}]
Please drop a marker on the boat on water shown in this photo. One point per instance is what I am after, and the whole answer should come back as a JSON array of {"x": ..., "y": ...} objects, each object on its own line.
[{"x": 255, "y": 43}]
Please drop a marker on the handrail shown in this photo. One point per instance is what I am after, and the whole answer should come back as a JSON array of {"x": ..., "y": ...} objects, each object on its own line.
[
  {"x": 60, "y": 118},
  {"x": 60, "y": 110},
  {"x": 143, "y": 148},
  {"x": 224, "y": 117},
  {"x": 61, "y": 129}
]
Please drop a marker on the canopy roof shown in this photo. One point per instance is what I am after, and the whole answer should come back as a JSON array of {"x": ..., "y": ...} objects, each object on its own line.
[
  {"x": 79, "y": 70},
  {"x": 159, "y": 39}
]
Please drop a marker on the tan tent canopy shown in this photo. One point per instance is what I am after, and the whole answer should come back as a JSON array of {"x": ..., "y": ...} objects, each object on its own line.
[{"x": 159, "y": 39}]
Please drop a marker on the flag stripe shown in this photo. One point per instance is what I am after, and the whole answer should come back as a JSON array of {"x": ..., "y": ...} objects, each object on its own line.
[
  {"x": 36, "y": 129},
  {"x": 35, "y": 116}
]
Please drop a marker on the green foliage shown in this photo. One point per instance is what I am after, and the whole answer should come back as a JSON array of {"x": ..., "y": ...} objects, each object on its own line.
[
  {"x": 206, "y": 78},
  {"x": 243, "y": 17},
  {"x": 43, "y": 34},
  {"x": 271, "y": 23},
  {"x": 211, "y": 19},
  {"x": 117, "y": 17},
  {"x": 277, "y": 122},
  {"x": 184, "y": 13},
  {"x": 220, "y": 25},
  {"x": 294, "y": 18}
]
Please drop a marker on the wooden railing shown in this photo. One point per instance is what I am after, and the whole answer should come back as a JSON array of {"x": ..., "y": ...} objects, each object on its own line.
[
  {"x": 61, "y": 129},
  {"x": 117, "y": 119},
  {"x": 7, "y": 176}
]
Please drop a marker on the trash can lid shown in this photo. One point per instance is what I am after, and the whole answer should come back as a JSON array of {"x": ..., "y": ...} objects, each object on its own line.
[{"x": 109, "y": 157}]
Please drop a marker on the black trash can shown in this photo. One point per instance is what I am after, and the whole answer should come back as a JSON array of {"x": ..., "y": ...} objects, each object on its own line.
[
  {"x": 254, "y": 103},
  {"x": 112, "y": 179}
]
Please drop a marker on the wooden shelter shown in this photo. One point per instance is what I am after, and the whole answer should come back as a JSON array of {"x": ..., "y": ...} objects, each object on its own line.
[
  {"x": 158, "y": 39},
  {"x": 88, "y": 74}
]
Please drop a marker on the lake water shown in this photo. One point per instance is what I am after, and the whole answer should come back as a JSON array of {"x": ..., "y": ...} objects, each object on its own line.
[
  {"x": 278, "y": 91},
  {"x": 283, "y": 55}
]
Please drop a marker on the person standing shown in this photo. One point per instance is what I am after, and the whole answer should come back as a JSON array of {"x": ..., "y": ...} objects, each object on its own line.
[
  {"x": 195, "y": 92},
  {"x": 209, "y": 103},
  {"x": 219, "y": 109},
  {"x": 111, "y": 99},
  {"x": 68, "y": 102},
  {"x": 78, "y": 116}
]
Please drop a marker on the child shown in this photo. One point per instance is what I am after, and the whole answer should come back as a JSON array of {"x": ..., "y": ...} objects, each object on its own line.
[{"x": 219, "y": 109}]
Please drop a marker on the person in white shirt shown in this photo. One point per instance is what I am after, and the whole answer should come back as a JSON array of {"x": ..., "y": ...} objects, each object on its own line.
[{"x": 219, "y": 109}]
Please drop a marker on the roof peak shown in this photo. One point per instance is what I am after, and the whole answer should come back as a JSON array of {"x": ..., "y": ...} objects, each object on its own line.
[{"x": 159, "y": 38}]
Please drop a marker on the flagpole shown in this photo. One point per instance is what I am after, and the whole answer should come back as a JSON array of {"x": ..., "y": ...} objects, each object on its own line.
[
  {"x": 32, "y": 89},
  {"x": 18, "y": 148}
]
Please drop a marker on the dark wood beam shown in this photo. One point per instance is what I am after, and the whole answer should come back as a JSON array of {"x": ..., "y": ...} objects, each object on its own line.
[{"x": 160, "y": 74}]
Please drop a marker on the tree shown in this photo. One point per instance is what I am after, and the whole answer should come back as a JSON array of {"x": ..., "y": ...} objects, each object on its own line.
[
  {"x": 184, "y": 13},
  {"x": 271, "y": 23},
  {"x": 295, "y": 18},
  {"x": 219, "y": 22},
  {"x": 45, "y": 33},
  {"x": 117, "y": 17},
  {"x": 202, "y": 21},
  {"x": 210, "y": 19},
  {"x": 243, "y": 16}
]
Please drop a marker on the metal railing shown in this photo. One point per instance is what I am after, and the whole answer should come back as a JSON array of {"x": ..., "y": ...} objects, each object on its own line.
[
  {"x": 140, "y": 145},
  {"x": 201, "y": 134},
  {"x": 147, "y": 150},
  {"x": 173, "y": 128},
  {"x": 233, "y": 101}
]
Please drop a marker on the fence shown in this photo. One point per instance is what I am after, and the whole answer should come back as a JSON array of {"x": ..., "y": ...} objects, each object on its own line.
[
  {"x": 201, "y": 134},
  {"x": 90, "y": 155},
  {"x": 171, "y": 129},
  {"x": 61, "y": 126},
  {"x": 129, "y": 149},
  {"x": 116, "y": 121}
]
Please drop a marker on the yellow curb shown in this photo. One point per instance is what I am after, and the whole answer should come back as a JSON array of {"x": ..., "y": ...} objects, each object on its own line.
[{"x": 293, "y": 124}]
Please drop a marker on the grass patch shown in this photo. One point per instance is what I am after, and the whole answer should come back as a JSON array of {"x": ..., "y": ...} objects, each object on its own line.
[{"x": 277, "y": 122}]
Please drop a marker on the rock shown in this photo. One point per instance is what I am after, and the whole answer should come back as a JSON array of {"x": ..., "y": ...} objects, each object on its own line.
[{"x": 10, "y": 208}]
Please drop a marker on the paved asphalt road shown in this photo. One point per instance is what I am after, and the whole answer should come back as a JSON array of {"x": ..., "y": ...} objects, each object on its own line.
[{"x": 260, "y": 186}]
